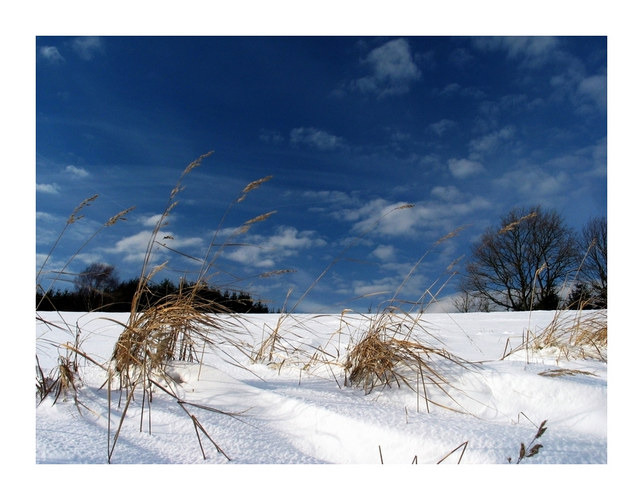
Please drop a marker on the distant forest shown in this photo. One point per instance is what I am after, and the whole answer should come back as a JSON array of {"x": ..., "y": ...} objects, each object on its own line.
[{"x": 118, "y": 298}]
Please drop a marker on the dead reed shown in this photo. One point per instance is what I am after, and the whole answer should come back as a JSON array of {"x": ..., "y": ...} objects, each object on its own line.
[
  {"x": 74, "y": 218},
  {"x": 61, "y": 381},
  {"x": 533, "y": 448},
  {"x": 179, "y": 327},
  {"x": 390, "y": 354},
  {"x": 575, "y": 334},
  {"x": 174, "y": 328}
]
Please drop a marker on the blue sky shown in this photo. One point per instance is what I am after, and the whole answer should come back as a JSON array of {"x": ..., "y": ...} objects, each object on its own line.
[{"x": 349, "y": 128}]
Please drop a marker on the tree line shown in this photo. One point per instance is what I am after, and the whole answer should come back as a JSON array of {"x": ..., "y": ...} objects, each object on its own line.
[
  {"x": 97, "y": 288},
  {"x": 532, "y": 260}
]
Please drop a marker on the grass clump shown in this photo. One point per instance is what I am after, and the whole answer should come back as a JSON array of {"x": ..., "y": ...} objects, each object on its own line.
[
  {"x": 389, "y": 354},
  {"x": 178, "y": 327},
  {"x": 61, "y": 380},
  {"x": 174, "y": 328},
  {"x": 579, "y": 335}
]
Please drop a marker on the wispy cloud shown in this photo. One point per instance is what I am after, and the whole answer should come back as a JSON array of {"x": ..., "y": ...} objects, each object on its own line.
[
  {"x": 534, "y": 183},
  {"x": 446, "y": 193},
  {"x": 529, "y": 51},
  {"x": 453, "y": 89},
  {"x": 134, "y": 248},
  {"x": 87, "y": 47},
  {"x": 440, "y": 127},
  {"x": 392, "y": 70},
  {"x": 267, "y": 251},
  {"x": 51, "y": 54},
  {"x": 384, "y": 252},
  {"x": 381, "y": 217},
  {"x": 77, "y": 172},
  {"x": 491, "y": 141},
  {"x": 315, "y": 138},
  {"x": 47, "y": 188},
  {"x": 594, "y": 88},
  {"x": 150, "y": 220},
  {"x": 587, "y": 93},
  {"x": 460, "y": 57},
  {"x": 463, "y": 167},
  {"x": 589, "y": 161}
]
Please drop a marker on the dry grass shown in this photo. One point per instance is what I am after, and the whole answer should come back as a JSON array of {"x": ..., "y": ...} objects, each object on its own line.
[
  {"x": 562, "y": 372},
  {"x": 390, "y": 354},
  {"x": 61, "y": 381},
  {"x": 175, "y": 328},
  {"x": 179, "y": 327},
  {"x": 73, "y": 219},
  {"x": 393, "y": 351},
  {"x": 576, "y": 335},
  {"x": 533, "y": 448}
]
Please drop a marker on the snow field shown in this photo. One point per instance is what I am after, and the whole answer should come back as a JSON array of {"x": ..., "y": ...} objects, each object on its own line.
[{"x": 291, "y": 415}]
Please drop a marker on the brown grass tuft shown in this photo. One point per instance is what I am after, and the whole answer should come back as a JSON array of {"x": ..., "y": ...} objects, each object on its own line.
[
  {"x": 388, "y": 354},
  {"x": 580, "y": 335}
]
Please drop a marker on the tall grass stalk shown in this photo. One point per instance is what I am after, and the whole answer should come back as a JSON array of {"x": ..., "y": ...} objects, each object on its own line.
[
  {"x": 74, "y": 217},
  {"x": 178, "y": 327}
]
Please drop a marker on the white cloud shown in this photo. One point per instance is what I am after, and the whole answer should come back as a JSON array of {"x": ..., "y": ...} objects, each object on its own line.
[
  {"x": 252, "y": 256},
  {"x": 587, "y": 161},
  {"x": 47, "y": 188},
  {"x": 491, "y": 141},
  {"x": 150, "y": 221},
  {"x": 595, "y": 89},
  {"x": 462, "y": 168},
  {"x": 533, "y": 51},
  {"x": 446, "y": 193},
  {"x": 380, "y": 217},
  {"x": 442, "y": 126},
  {"x": 385, "y": 218},
  {"x": 135, "y": 247},
  {"x": 384, "y": 252},
  {"x": 535, "y": 183},
  {"x": 383, "y": 286},
  {"x": 51, "y": 54},
  {"x": 450, "y": 88},
  {"x": 87, "y": 47},
  {"x": 392, "y": 70},
  {"x": 265, "y": 252},
  {"x": 330, "y": 197},
  {"x": 76, "y": 171},
  {"x": 315, "y": 138}
]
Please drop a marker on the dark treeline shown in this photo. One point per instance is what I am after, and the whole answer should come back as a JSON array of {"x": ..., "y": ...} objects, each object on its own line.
[{"x": 118, "y": 298}]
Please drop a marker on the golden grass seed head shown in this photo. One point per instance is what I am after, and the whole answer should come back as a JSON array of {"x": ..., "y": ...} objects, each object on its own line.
[
  {"x": 119, "y": 216},
  {"x": 253, "y": 185}
]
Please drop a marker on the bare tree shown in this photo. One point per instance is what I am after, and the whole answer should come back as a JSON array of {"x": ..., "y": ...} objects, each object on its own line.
[
  {"x": 466, "y": 301},
  {"x": 94, "y": 281},
  {"x": 593, "y": 240},
  {"x": 520, "y": 265}
]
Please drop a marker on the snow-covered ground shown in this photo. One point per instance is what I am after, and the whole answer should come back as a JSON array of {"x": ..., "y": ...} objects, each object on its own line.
[{"x": 297, "y": 409}]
